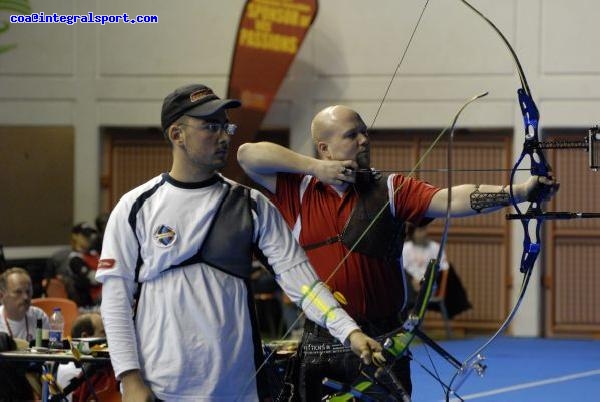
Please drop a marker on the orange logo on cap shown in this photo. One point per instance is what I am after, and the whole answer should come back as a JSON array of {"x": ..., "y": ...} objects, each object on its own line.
[{"x": 199, "y": 94}]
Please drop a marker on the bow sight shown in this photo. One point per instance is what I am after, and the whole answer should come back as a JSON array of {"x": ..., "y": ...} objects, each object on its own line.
[{"x": 589, "y": 143}]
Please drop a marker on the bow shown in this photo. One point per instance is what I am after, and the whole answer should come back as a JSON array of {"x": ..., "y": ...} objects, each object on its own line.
[{"x": 531, "y": 245}]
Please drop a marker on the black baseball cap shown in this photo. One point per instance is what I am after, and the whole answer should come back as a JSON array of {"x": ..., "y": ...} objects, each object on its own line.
[
  {"x": 195, "y": 100},
  {"x": 85, "y": 229}
]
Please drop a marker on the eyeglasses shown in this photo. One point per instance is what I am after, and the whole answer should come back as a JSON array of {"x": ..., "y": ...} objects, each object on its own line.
[{"x": 215, "y": 128}]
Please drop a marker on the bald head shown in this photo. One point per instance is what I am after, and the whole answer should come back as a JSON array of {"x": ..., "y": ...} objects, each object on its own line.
[
  {"x": 339, "y": 133},
  {"x": 88, "y": 325},
  {"x": 329, "y": 120}
]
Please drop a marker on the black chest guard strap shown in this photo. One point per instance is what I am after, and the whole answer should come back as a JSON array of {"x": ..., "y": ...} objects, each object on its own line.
[
  {"x": 228, "y": 244},
  {"x": 385, "y": 238}
]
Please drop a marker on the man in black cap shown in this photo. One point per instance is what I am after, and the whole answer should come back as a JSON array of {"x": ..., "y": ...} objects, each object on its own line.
[{"x": 177, "y": 256}]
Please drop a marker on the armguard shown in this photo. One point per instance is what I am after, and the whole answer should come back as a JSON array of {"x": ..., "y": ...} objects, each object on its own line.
[{"x": 480, "y": 201}]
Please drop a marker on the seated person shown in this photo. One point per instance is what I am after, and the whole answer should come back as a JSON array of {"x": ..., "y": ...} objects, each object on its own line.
[
  {"x": 80, "y": 279},
  {"x": 18, "y": 319},
  {"x": 274, "y": 307},
  {"x": 417, "y": 252},
  {"x": 70, "y": 377}
]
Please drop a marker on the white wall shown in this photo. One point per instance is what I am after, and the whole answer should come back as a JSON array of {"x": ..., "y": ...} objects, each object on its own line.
[{"x": 88, "y": 75}]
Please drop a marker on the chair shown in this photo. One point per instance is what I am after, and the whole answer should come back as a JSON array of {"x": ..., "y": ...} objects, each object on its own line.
[
  {"x": 68, "y": 308},
  {"x": 438, "y": 299}
]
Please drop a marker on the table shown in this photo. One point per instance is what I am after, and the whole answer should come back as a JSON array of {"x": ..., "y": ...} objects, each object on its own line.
[
  {"x": 64, "y": 356},
  {"x": 49, "y": 359}
]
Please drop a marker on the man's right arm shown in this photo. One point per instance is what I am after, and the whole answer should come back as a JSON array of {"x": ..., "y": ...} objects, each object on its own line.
[
  {"x": 116, "y": 310},
  {"x": 119, "y": 254},
  {"x": 120, "y": 332},
  {"x": 263, "y": 160}
]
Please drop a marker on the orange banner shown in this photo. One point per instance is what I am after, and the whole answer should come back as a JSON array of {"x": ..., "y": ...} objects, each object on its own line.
[{"x": 269, "y": 36}]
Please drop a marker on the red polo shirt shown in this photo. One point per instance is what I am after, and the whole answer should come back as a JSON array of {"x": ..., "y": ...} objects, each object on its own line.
[{"x": 373, "y": 288}]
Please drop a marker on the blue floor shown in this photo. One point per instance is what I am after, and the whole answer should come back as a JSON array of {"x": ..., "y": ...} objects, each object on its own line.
[{"x": 518, "y": 370}]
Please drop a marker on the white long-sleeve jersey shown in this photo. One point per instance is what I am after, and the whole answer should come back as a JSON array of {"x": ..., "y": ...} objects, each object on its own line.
[{"x": 192, "y": 337}]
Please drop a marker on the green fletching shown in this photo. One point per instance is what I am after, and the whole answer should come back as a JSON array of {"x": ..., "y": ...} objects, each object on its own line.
[
  {"x": 361, "y": 386},
  {"x": 399, "y": 343}
]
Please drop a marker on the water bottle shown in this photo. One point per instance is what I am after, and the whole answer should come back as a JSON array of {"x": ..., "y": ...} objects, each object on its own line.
[{"x": 57, "y": 325}]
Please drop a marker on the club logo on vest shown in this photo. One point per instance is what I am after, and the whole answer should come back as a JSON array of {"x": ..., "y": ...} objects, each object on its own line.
[{"x": 164, "y": 236}]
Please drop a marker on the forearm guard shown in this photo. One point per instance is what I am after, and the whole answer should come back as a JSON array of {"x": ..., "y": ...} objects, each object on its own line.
[{"x": 481, "y": 201}]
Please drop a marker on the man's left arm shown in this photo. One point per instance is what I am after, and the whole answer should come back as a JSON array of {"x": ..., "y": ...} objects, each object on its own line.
[{"x": 472, "y": 199}]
